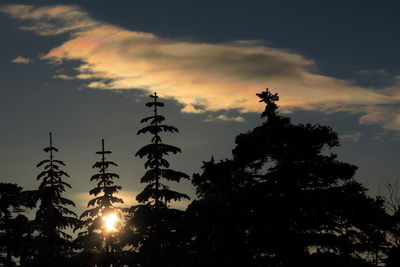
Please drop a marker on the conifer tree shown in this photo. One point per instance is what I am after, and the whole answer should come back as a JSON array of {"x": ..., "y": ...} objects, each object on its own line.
[
  {"x": 13, "y": 234},
  {"x": 155, "y": 222},
  {"x": 101, "y": 219},
  {"x": 51, "y": 241},
  {"x": 157, "y": 166}
]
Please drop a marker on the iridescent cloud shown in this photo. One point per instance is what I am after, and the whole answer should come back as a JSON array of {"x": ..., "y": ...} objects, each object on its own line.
[{"x": 201, "y": 76}]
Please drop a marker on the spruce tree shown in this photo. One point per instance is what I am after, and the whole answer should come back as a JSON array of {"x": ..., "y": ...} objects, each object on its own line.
[
  {"x": 51, "y": 241},
  {"x": 155, "y": 222},
  {"x": 100, "y": 220},
  {"x": 157, "y": 166}
]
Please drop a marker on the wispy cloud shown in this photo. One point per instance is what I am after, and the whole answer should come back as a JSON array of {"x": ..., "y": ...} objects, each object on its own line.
[
  {"x": 21, "y": 60},
  {"x": 353, "y": 136},
  {"x": 378, "y": 72},
  {"x": 51, "y": 20},
  {"x": 201, "y": 76},
  {"x": 224, "y": 117},
  {"x": 63, "y": 77},
  {"x": 387, "y": 116}
]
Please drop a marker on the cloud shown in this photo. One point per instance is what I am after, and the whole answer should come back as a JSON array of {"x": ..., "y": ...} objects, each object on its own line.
[
  {"x": 63, "y": 77},
  {"x": 50, "y": 20},
  {"x": 202, "y": 76},
  {"x": 22, "y": 60},
  {"x": 386, "y": 116},
  {"x": 378, "y": 72},
  {"x": 353, "y": 136},
  {"x": 224, "y": 117}
]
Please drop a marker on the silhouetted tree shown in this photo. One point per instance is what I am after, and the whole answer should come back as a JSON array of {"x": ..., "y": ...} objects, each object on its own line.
[
  {"x": 98, "y": 242},
  {"x": 154, "y": 222},
  {"x": 283, "y": 200},
  {"x": 392, "y": 198},
  {"x": 52, "y": 244},
  {"x": 13, "y": 232}
]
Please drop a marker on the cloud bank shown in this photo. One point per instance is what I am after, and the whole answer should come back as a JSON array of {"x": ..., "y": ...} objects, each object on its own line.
[{"x": 201, "y": 76}]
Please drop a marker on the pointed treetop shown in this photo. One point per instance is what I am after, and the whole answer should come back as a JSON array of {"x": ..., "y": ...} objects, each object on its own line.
[
  {"x": 102, "y": 152},
  {"x": 51, "y": 145},
  {"x": 155, "y": 103},
  {"x": 50, "y": 148}
]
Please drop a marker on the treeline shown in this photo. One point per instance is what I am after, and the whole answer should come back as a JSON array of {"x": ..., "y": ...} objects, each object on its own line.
[{"x": 282, "y": 199}]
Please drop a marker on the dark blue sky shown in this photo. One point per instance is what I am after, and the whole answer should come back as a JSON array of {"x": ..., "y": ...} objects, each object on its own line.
[{"x": 343, "y": 46}]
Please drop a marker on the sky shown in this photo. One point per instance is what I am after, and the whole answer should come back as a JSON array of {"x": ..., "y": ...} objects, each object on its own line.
[{"x": 84, "y": 69}]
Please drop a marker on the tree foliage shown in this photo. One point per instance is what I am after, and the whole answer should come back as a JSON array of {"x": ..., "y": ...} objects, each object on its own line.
[
  {"x": 13, "y": 225},
  {"x": 284, "y": 200}
]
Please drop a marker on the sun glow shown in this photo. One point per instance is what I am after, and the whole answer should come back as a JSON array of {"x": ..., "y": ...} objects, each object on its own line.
[{"x": 110, "y": 221}]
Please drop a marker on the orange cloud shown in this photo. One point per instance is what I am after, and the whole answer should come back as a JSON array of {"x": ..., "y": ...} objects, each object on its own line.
[{"x": 211, "y": 76}]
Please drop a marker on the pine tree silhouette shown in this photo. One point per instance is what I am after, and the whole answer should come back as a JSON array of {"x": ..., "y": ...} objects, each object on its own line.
[
  {"x": 155, "y": 223},
  {"x": 52, "y": 244},
  {"x": 157, "y": 166},
  {"x": 97, "y": 239}
]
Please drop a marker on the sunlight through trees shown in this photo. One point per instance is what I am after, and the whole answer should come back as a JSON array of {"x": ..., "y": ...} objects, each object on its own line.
[{"x": 110, "y": 221}]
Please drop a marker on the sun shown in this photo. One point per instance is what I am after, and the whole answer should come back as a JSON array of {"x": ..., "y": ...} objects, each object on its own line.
[{"x": 110, "y": 221}]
